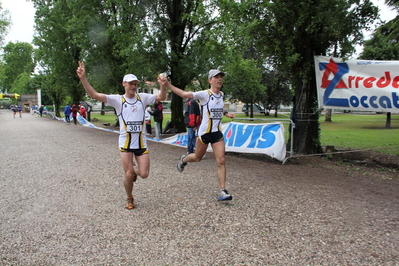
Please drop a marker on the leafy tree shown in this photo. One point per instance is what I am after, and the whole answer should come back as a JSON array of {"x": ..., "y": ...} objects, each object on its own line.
[
  {"x": 5, "y": 22},
  {"x": 243, "y": 81},
  {"x": 107, "y": 35},
  {"x": 116, "y": 37},
  {"x": 290, "y": 33},
  {"x": 5, "y": 102},
  {"x": 278, "y": 91},
  {"x": 394, "y": 28},
  {"x": 18, "y": 59},
  {"x": 113, "y": 42},
  {"x": 20, "y": 84},
  {"x": 2, "y": 76},
  {"x": 186, "y": 25},
  {"x": 38, "y": 82},
  {"x": 117, "y": 44},
  {"x": 384, "y": 45},
  {"x": 59, "y": 49}
]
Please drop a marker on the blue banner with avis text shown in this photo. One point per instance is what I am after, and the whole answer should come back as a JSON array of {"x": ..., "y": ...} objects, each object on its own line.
[{"x": 247, "y": 138}]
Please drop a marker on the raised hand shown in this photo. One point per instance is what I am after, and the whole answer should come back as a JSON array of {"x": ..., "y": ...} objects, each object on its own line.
[
  {"x": 81, "y": 70},
  {"x": 162, "y": 80}
]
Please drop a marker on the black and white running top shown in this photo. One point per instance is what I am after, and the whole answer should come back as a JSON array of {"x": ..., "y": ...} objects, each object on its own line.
[
  {"x": 131, "y": 113},
  {"x": 211, "y": 111}
]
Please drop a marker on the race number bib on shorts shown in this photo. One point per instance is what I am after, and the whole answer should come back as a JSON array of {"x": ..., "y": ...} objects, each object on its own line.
[
  {"x": 134, "y": 126},
  {"x": 216, "y": 113}
]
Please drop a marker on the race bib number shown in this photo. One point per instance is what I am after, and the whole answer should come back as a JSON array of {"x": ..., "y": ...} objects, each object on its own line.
[
  {"x": 216, "y": 113},
  {"x": 134, "y": 126}
]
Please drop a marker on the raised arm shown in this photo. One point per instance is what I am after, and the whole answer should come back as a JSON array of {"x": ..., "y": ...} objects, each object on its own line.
[
  {"x": 162, "y": 94},
  {"x": 89, "y": 89},
  {"x": 184, "y": 94}
]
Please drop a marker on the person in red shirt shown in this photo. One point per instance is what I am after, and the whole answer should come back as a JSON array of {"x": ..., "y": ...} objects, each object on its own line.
[
  {"x": 192, "y": 119},
  {"x": 83, "y": 111},
  {"x": 74, "y": 114}
]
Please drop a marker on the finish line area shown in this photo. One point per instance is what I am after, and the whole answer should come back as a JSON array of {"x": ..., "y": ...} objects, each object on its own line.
[{"x": 264, "y": 137}]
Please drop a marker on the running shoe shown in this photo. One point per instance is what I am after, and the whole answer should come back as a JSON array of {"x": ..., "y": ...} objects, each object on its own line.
[
  {"x": 130, "y": 203},
  {"x": 180, "y": 164},
  {"x": 224, "y": 195}
]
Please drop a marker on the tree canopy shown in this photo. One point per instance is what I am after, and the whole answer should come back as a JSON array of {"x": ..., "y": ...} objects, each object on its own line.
[
  {"x": 19, "y": 64},
  {"x": 5, "y": 23},
  {"x": 384, "y": 43},
  {"x": 266, "y": 47},
  {"x": 289, "y": 33}
]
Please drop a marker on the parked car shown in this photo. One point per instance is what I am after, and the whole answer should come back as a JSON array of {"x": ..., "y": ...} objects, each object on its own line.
[{"x": 257, "y": 109}]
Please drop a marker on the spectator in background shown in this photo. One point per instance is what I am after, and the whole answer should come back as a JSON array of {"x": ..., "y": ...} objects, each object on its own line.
[
  {"x": 20, "y": 110},
  {"x": 41, "y": 110},
  {"x": 192, "y": 119},
  {"x": 82, "y": 111},
  {"x": 147, "y": 117},
  {"x": 74, "y": 114},
  {"x": 13, "y": 109},
  {"x": 67, "y": 113},
  {"x": 160, "y": 106},
  {"x": 157, "y": 113}
]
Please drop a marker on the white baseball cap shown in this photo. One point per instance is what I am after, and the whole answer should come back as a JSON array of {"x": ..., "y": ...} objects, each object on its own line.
[
  {"x": 130, "y": 77},
  {"x": 214, "y": 72}
]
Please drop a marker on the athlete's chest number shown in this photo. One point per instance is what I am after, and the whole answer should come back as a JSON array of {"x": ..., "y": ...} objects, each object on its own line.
[
  {"x": 134, "y": 126},
  {"x": 216, "y": 113}
]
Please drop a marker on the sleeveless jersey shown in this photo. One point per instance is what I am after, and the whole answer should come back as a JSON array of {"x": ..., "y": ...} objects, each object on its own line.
[
  {"x": 131, "y": 113},
  {"x": 211, "y": 111}
]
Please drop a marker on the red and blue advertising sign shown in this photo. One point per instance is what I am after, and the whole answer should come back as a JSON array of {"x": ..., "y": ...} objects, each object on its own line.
[{"x": 364, "y": 85}]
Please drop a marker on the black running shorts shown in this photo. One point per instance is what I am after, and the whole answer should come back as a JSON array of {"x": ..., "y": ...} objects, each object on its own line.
[
  {"x": 137, "y": 152},
  {"x": 212, "y": 137}
]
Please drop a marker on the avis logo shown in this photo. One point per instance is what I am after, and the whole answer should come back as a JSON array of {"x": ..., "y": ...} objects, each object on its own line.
[
  {"x": 251, "y": 136},
  {"x": 338, "y": 70}
]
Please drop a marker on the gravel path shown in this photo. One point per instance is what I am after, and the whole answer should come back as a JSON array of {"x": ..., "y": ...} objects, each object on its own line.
[{"x": 62, "y": 203}]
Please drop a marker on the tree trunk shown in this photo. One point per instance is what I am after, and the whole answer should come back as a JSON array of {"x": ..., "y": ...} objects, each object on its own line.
[
  {"x": 102, "y": 108},
  {"x": 177, "y": 116},
  {"x": 388, "y": 121},
  {"x": 328, "y": 115},
  {"x": 176, "y": 30},
  {"x": 307, "y": 126},
  {"x": 57, "y": 105},
  {"x": 176, "y": 106}
]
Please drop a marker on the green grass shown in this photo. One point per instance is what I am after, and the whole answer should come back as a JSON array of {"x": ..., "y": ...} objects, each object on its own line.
[
  {"x": 107, "y": 118},
  {"x": 346, "y": 131},
  {"x": 363, "y": 132}
]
